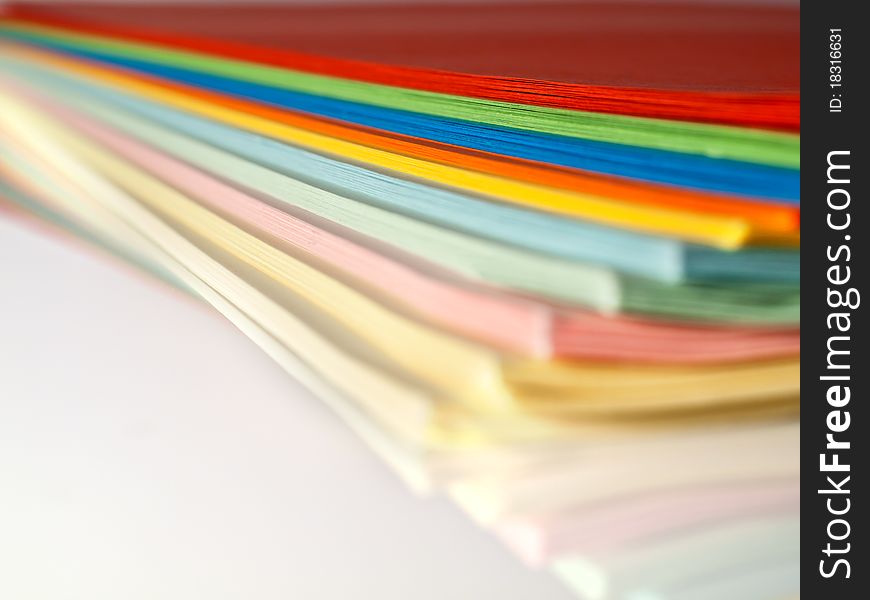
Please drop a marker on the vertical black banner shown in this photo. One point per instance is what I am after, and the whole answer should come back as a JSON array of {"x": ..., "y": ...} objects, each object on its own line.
[{"x": 834, "y": 174}]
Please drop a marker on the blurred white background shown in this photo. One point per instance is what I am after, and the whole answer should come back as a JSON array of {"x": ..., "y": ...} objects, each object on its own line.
[{"x": 149, "y": 451}]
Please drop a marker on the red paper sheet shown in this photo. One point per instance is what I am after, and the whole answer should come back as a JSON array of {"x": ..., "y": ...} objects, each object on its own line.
[{"x": 711, "y": 62}]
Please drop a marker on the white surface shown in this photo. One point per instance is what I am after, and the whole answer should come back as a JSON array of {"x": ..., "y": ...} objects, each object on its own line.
[{"x": 149, "y": 451}]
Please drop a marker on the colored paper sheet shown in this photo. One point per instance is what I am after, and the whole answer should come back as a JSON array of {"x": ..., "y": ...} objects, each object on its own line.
[{"x": 509, "y": 54}]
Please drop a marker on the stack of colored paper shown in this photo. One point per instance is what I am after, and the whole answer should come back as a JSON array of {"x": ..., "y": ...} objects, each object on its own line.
[{"x": 542, "y": 257}]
